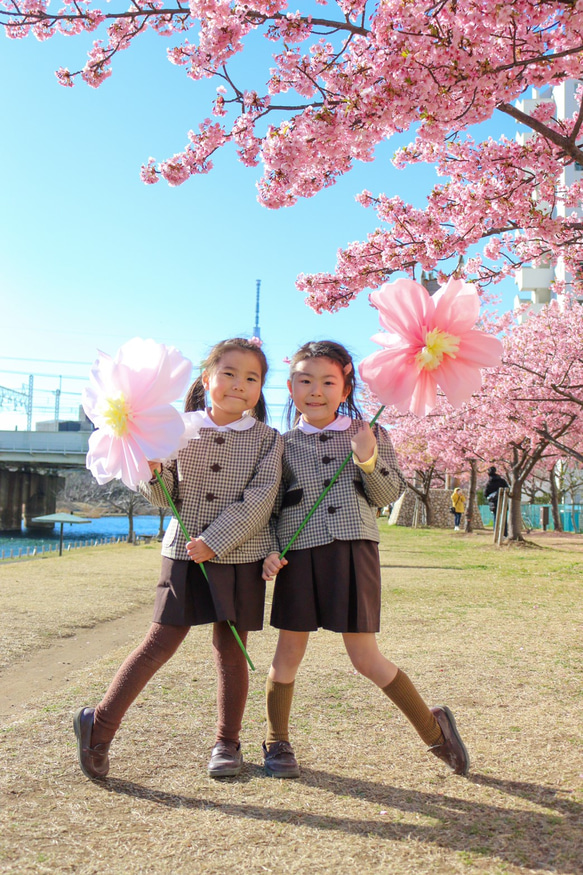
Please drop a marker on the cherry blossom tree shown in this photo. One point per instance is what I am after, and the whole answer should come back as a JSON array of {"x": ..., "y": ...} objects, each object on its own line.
[
  {"x": 346, "y": 77},
  {"x": 526, "y": 417}
]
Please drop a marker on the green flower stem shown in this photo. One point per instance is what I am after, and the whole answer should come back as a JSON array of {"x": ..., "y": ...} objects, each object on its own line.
[
  {"x": 324, "y": 493},
  {"x": 200, "y": 564}
]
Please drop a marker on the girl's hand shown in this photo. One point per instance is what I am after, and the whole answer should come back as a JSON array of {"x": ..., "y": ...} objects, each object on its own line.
[
  {"x": 363, "y": 443},
  {"x": 155, "y": 466},
  {"x": 199, "y": 551},
  {"x": 271, "y": 565}
]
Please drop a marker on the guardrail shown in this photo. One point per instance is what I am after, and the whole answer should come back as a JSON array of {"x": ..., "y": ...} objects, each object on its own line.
[{"x": 14, "y": 553}]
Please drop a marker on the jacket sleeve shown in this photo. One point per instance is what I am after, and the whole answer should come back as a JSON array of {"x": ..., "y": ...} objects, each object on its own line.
[
  {"x": 243, "y": 519},
  {"x": 385, "y": 484},
  {"x": 153, "y": 492}
]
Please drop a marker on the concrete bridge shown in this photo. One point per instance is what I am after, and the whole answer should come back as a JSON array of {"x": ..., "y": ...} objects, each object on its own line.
[{"x": 31, "y": 463}]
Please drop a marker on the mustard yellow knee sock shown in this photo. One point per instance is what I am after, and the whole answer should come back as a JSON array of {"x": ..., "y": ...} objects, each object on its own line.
[
  {"x": 278, "y": 706},
  {"x": 405, "y": 696}
]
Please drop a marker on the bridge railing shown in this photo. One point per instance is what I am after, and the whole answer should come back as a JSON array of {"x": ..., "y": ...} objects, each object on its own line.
[{"x": 41, "y": 442}]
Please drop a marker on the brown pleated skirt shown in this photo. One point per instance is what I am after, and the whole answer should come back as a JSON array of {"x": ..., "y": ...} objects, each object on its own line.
[
  {"x": 234, "y": 592},
  {"x": 335, "y": 586}
]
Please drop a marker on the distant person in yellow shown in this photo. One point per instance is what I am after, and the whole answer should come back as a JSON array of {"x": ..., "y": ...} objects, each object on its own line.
[{"x": 458, "y": 503}]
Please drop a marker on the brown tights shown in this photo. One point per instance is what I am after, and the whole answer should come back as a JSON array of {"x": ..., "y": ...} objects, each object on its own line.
[{"x": 158, "y": 646}]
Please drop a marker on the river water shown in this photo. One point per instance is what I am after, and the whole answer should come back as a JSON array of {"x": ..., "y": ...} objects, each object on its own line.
[{"x": 104, "y": 527}]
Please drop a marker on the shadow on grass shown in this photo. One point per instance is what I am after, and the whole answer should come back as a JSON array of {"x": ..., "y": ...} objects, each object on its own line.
[{"x": 521, "y": 836}]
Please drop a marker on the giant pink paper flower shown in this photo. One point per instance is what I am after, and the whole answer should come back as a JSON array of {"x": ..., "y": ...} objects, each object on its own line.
[
  {"x": 429, "y": 341},
  {"x": 129, "y": 402}
]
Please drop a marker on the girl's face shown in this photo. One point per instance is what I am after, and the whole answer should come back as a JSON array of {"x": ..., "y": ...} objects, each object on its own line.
[
  {"x": 317, "y": 389},
  {"x": 234, "y": 385}
]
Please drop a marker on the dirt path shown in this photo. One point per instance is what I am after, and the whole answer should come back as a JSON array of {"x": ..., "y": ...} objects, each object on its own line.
[{"x": 51, "y": 669}]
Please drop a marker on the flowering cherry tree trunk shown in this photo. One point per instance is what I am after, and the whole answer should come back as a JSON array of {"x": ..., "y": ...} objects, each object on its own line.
[
  {"x": 469, "y": 523},
  {"x": 344, "y": 78},
  {"x": 557, "y": 522}
]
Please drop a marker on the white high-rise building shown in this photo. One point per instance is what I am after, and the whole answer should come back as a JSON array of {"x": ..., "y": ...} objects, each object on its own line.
[{"x": 534, "y": 283}]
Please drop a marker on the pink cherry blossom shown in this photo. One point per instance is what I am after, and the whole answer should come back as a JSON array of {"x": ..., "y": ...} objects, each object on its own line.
[
  {"x": 429, "y": 341},
  {"x": 343, "y": 79},
  {"x": 129, "y": 402}
]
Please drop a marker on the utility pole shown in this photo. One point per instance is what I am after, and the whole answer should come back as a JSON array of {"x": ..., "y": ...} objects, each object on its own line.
[
  {"x": 29, "y": 404},
  {"x": 257, "y": 330}
]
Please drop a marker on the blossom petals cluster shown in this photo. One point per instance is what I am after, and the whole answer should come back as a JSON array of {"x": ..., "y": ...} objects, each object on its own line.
[
  {"x": 129, "y": 400},
  {"x": 428, "y": 342}
]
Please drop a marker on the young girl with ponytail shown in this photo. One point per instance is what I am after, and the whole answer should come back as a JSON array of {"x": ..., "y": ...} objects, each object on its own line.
[{"x": 224, "y": 483}]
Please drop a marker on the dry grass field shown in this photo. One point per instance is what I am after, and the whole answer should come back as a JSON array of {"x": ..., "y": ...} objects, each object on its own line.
[{"x": 495, "y": 633}]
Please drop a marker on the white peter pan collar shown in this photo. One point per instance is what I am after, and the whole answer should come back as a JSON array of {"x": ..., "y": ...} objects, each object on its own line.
[
  {"x": 341, "y": 423},
  {"x": 198, "y": 419}
]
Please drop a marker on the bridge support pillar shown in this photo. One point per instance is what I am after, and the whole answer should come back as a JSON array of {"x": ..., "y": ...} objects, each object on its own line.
[
  {"x": 41, "y": 498},
  {"x": 12, "y": 491}
]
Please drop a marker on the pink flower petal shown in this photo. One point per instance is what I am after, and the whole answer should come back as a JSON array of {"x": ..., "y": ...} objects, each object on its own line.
[
  {"x": 480, "y": 349},
  {"x": 459, "y": 380},
  {"x": 405, "y": 308},
  {"x": 390, "y": 375},
  {"x": 457, "y": 307},
  {"x": 424, "y": 397}
]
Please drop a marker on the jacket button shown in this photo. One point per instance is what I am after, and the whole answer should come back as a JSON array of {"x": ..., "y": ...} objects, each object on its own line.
[
  {"x": 219, "y": 440},
  {"x": 384, "y": 472},
  {"x": 328, "y": 481},
  {"x": 216, "y": 467},
  {"x": 210, "y": 497},
  {"x": 323, "y": 438},
  {"x": 332, "y": 509},
  {"x": 327, "y": 459}
]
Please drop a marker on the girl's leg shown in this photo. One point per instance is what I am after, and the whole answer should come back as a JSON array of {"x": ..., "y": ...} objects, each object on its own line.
[
  {"x": 367, "y": 659},
  {"x": 280, "y": 761},
  {"x": 158, "y": 646},
  {"x": 232, "y": 681},
  {"x": 232, "y": 687},
  {"x": 290, "y": 650},
  {"x": 436, "y": 726},
  {"x": 95, "y": 728}
]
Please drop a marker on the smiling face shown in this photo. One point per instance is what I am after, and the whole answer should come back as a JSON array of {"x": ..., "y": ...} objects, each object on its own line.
[
  {"x": 234, "y": 385},
  {"x": 318, "y": 389}
]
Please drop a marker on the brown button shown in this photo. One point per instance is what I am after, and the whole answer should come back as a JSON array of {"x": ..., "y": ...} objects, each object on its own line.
[
  {"x": 216, "y": 467},
  {"x": 323, "y": 438},
  {"x": 328, "y": 481},
  {"x": 327, "y": 459},
  {"x": 332, "y": 509},
  {"x": 219, "y": 440},
  {"x": 210, "y": 496}
]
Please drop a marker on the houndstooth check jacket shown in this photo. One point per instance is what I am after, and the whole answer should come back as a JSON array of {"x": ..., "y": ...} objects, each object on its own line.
[
  {"x": 224, "y": 484},
  {"x": 348, "y": 512}
]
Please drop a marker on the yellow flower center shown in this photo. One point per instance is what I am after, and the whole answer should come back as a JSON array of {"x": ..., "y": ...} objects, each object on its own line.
[
  {"x": 437, "y": 344},
  {"x": 116, "y": 413}
]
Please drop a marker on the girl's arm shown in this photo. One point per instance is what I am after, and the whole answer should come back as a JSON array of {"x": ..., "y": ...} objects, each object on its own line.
[
  {"x": 152, "y": 490},
  {"x": 385, "y": 483},
  {"x": 244, "y": 518}
]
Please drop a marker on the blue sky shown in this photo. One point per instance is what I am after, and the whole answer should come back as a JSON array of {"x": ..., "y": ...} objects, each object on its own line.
[{"x": 90, "y": 256}]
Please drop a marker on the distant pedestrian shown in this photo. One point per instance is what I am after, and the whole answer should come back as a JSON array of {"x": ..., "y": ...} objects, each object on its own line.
[
  {"x": 494, "y": 484},
  {"x": 458, "y": 503}
]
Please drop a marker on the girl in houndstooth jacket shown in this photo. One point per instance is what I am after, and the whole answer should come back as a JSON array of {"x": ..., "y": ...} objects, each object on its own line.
[
  {"x": 224, "y": 484},
  {"x": 331, "y": 578}
]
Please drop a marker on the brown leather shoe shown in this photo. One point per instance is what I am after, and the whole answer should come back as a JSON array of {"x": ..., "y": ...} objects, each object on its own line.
[
  {"x": 279, "y": 760},
  {"x": 226, "y": 760},
  {"x": 452, "y": 749},
  {"x": 94, "y": 761}
]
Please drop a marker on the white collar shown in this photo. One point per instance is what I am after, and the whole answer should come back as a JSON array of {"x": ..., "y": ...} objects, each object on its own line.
[
  {"x": 197, "y": 419},
  {"x": 341, "y": 423}
]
